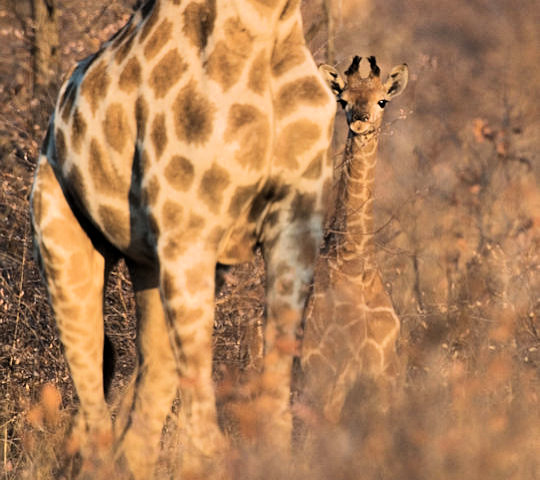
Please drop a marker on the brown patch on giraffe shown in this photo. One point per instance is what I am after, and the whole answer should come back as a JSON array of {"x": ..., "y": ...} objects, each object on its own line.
[
  {"x": 141, "y": 116},
  {"x": 199, "y": 22},
  {"x": 258, "y": 73},
  {"x": 168, "y": 287},
  {"x": 78, "y": 130},
  {"x": 215, "y": 235},
  {"x": 38, "y": 206},
  {"x": 314, "y": 169},
  {"x": 130, "y": 78},
  {"x": 196, "y": 224},
  {"x": 60, "y": 147},
  {"x": 145, "y": 161},
  {"x": 180, "y": 173},
  {"x": 153, "y": 224},
  {"x": 240, "y": 198},
  {"x": 125, "y": 48},
  {"x": 66, "y": 103},
  {"x": 167, "y": 73},
  {"x": 250, "y": 128},
  {"x": 303, "y": 206},
  {"x": 349, "y": 316},
  {"x": 308, "y": 250},
  {"x": 214, "y": 181},
  {"x": 159, "y": 38},
  {"x": 100, "y": 171},
  {"x": 150, "y": 14},
  {"x": 75, "y": 183},
  {"x": 115, "y": 222},
  {"x": 95, "y": 84},
  {"x": 354, "y": 266},
  {"x": 194, "y": 115},
  {"x": 290, "y": 53},
  {"x": 272, "y": 191},
  {"x": 296, "y": 138},
  {"x": 115, "y": 127},
  {"x": 272, "y": 219},
  {"x": 306, "y": 91},
  {"x": 172, "y": 214},
  {"x": 381, "y": 324},
  {"x": 103, "y": 173},
  {"x": 371, "y": 359},
  {"x": 284, "y": 286},
  {"x": 151, "y": 191},
  {"x": 190, "y": 319},
  {"x": 178, "y": 241},
  {"x": 227, "y": 60},
  {"x": 238, "y": 246},
  {"x": 326, "y": 373},
  {"x": 158, "y": 134}
]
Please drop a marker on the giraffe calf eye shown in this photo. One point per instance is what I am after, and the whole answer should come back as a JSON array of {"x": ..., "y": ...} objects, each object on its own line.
[{"x": 382, "y": 103}]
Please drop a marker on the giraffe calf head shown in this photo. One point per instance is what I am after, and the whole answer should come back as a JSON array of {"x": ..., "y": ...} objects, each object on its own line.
[{"x": 364, "y": 97}]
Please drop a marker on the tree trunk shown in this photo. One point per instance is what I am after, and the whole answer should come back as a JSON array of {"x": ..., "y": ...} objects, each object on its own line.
[
  {"x": 331, "y": 33},
  {"x": 46, "y": 51}
]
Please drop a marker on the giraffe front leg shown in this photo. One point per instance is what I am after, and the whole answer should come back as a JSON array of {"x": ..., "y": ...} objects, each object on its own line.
[
  {"x": 290, "y": 249},
  {"x": 187, "y": 288}
]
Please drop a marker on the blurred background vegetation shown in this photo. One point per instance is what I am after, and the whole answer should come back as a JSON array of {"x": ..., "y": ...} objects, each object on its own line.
[{"x": 458, "y": 215}]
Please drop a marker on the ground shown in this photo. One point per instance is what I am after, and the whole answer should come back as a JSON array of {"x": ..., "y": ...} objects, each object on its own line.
[{"x": 458, "y": 215}]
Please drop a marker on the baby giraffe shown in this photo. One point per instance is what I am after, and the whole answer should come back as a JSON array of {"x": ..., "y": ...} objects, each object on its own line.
[{"x": 350, "y": 324}]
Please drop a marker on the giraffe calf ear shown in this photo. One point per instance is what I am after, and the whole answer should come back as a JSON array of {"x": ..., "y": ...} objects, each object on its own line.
[
  {"x": 333, "y": 79},
  {"x": 397, "y": 80}
]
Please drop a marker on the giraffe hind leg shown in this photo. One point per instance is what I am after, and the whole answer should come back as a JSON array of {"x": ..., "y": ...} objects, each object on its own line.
[
  {"x": 156, "y": 379},
  {"x": 74, "y": 272},
  {"x": 187, "y": 288}
]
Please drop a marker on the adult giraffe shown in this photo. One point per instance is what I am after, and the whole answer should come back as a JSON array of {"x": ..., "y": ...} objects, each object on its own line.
[{"x": 199, "y": 131}]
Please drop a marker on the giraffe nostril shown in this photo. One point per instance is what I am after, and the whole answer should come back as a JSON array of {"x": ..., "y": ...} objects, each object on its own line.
[{"x": 363, "y": 117}]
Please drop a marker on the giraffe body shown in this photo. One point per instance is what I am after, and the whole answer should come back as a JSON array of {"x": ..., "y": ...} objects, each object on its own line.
[
  {"x": 350, "y": 324},
  {"x": 197, "y": 132}
]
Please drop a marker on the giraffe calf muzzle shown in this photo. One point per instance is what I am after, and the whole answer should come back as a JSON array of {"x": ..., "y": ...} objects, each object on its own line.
[{"x": 363, "y": 117}]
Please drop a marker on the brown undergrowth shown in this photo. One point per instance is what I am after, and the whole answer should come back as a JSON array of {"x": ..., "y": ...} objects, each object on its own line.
[{"x": 458, "y": 209}]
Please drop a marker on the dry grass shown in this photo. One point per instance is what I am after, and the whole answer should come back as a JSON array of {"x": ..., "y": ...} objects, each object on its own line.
[{"x": 459, "y": 214}]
